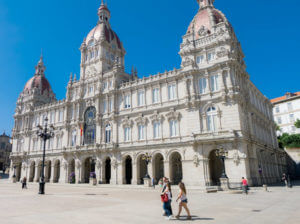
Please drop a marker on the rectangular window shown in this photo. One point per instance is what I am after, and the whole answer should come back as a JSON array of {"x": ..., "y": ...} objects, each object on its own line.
[
  {"x": 127, "y": 102},
  {"x": 277, "y": 110},
  {"x": 141, "y": 132},
  {"x": 211, "y": 56},
  {"x": 202, "y": 85},
  {"x": 61, "y": 116},
  {"x": 156, "y": 130},
  {"x": 127, "y": 131},
  {"x": 172, "y": 91},
  {"x": 293, "y": 128},
  {"x": 52, "y": 117},
  {"x": 292, "y": 118},
  {"x": 173, "y": 128},
  {"x": 200, "y": 59},
  {"x": 279, "y": 121},
  {"x": 155, "y": 95},
  {"x": 214, "y": 85},
  {"x": 104, "y": 106},
  {"x": 290, "y": 106},
  {"x": 141, "y": 98},
  {"x": 111, "y": 105}
]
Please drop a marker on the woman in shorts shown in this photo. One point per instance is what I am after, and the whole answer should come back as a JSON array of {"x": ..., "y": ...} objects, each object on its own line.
[{"x": 183, "y": 201}]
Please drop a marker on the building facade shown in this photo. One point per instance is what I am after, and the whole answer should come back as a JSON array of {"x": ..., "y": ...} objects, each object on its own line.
[
  {"x": 110, "y": 119},
  {"x": 286, "y": 112},
  {"x": 5, "y": 150}
]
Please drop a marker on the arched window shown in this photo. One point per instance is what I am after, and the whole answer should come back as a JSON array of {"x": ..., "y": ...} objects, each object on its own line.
[
  {"x": 89, "y": 126},
  {"x": 107, "y": 133},
  {"x": 211, "y": 114}
]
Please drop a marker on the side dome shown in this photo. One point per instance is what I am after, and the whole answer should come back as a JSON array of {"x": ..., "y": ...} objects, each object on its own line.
[{"x": 39, "y": 84}]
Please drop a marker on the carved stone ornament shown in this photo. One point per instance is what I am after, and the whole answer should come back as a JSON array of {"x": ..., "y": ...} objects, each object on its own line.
[
  {"x": 115, "y": 163},
  {"x": 236, "y": 158},
  {"x": 203, "y": 31},
  {"x": 222, "y": 52},
  {"x": 127, "y": 122},
  {"x": 141, "y": 120},
  {"x": 196, "y": 160},
  {"x": 156, "y": 117},
  {"x": 173, "y": 115},
  {"x": 90, "y": 102},
  {"x": 188, "y": 61}
]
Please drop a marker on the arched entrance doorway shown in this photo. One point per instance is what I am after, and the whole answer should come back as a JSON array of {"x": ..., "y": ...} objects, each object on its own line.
[
  {"x": 128, "y": 170},
  {"x": 32, "y": 171},
  {"x": 18, "y": 171},
  {"x": 48, "y": 171},
  {"x": 158, "y": 167},
  {"x": 71, "y": 172},
  {"x": 141, "y": 169},
  {"x": 56, "y": 171},
  {"x": 107, "y": 170},
  {"x": 215, "y": 168},
  {"x": 89, "y": 167},
  {"x": 175, "y": 168}
]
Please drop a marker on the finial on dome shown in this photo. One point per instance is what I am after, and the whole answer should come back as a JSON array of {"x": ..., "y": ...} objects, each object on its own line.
[
  {"x": 103, "y": 13},
  {"x": 205, "y": 3},
  {"x": 40, "y": 68}
]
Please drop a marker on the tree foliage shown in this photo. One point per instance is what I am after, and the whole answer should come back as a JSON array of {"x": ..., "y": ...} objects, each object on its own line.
[
  {"x": 289, "y": 141},
  {"x": 297, "y": 123}
]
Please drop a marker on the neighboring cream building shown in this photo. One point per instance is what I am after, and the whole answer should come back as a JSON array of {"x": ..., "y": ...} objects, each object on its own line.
[
  {"x": 5, "y": 150},
  {"x": 110, "y": 118},
  {"x": 286, "y": 111}
]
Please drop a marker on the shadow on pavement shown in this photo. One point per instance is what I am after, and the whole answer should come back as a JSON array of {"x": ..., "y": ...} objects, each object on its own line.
[{"x": 194, "y": 218}]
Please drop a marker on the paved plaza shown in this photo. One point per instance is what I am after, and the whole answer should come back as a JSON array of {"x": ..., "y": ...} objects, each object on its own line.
[{"x": 84, "y": 204}]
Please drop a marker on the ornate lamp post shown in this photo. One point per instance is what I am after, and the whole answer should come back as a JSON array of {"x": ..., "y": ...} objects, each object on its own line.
[
  {"x": 222, "y": 154},
  {"x": 147, "y": 159},
  {"x": 45, "y": 135}
]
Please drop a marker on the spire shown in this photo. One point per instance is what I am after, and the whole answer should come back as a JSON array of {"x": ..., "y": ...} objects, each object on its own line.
[
  {"x": 205, "y": 3},
  {"x": 40, "y": 68},
  {"x": 103, "y": 13}
]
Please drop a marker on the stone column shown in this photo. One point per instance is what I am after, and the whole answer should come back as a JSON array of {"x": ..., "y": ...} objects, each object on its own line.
[
  {"x": 78, "y": 171},
  {"x": 63, "y": 176},
  {"x": 134, "y": 173},
  {"x": 167, "y": 168},
  {"x": 99, "y": 171},
  {"x": 36, "y": 173},
  {"x": 52, "y": 173}
]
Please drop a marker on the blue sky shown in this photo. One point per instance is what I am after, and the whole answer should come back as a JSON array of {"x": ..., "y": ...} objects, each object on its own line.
[{"x": 151, "y": 32}]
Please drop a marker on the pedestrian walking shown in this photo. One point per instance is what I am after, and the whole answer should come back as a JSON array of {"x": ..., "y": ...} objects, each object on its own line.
[
  {"x": 285, "y": 179},
  {"x": 24, "y": 183},
  {"x": 182, "y": 198},
  {"x": 167, "y": 200},
  {"x": 153, "y": 182},
  {"x": 245, "y": 185}
]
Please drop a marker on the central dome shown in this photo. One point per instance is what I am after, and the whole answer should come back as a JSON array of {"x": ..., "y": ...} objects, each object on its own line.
[
  {"x": 103, "y": 30},
  {"x": 206, "y": 19}
]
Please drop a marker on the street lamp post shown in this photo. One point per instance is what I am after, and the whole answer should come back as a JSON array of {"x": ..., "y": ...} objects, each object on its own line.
[
  {"x": 147, "y": 159},
  {"x": 45, "y": 135},
  {"x": 222, "y": 154}
]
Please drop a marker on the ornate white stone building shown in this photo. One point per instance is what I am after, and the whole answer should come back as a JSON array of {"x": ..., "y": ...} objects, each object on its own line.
[{"x": 110, "y": 119}]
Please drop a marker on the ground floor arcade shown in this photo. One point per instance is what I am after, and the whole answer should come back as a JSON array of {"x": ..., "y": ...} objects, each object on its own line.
[{"x": 196, "y": 165}]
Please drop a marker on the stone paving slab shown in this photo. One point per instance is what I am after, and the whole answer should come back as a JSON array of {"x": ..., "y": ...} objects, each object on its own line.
[{"x": 64, "y": 204}]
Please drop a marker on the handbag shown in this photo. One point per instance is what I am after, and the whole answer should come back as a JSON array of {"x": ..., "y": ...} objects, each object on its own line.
[{"x": 164, "y": 197}]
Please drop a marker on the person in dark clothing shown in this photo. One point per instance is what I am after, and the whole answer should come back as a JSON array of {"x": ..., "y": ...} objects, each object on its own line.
[{"x": 24, "y": 183}]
